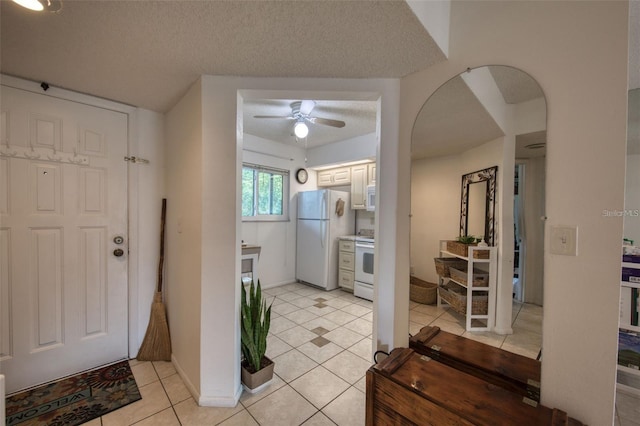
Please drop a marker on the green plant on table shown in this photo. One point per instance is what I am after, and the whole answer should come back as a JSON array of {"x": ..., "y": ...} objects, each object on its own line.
[
  {"x": 255, "y": 321},
  {"x": 466, "y": 239}
]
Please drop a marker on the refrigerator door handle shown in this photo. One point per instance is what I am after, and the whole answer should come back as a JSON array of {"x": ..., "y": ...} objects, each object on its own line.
[
  {"x": 323, "y": 230},
  {"x": 324, "y": 214}
]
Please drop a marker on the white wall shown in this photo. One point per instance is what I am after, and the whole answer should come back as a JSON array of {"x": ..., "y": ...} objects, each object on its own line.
[
  {"x": 583, "y": 75},
  {"x": 277, "y": 262},
  {"x": 434, "y": 16},
  {"x": 146, "y": 183},
  {"x": 435, "y": 201},
  {"x": 354, "y": 149},
  {"x": 435, "y": 210},
  {"x": 534, "y": 193},
  {"x": 365, "y": 221},
  {"x": 183, "y": 237}
]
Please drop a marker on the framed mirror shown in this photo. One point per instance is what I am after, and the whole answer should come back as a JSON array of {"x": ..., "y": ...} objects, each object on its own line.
[
  {"x": 488, "y": 116},
  {"x": 477, "y": 205}
]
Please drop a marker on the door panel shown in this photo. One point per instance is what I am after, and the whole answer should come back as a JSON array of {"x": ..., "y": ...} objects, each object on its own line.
[
  {"x": 311, "y": 249},
  {"x": 63, "y": 195}
]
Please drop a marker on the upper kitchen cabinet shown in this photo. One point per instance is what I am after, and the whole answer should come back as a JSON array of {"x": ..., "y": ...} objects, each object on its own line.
[
  {"x": 359, "y": 177},
  {"x": 371, "y": 169},
  {"x": 335, "y": 177},
  {"x": 362, "y": 176}
]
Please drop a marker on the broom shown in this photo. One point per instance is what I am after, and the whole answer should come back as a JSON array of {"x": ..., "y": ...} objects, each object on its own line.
[{"x": 156, "y": 345}]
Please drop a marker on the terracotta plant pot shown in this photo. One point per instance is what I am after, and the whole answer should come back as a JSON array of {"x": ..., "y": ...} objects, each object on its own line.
[{"x": 255, "y": 382}]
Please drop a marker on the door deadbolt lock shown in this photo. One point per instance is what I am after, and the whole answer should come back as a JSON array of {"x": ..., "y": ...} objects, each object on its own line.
[
  {"x": 118, "y": 239},
  {"x": 118, "y": 252}
]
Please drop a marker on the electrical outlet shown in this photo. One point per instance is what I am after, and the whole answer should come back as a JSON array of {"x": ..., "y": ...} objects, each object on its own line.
[{"x": 564, "y": 240}]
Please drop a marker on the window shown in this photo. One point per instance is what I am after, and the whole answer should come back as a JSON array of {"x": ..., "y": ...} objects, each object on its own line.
[{"x": 265, "y": 193}]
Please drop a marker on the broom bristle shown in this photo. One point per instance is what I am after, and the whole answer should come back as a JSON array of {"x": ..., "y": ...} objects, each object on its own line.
[{"x": 156, "y": 345}]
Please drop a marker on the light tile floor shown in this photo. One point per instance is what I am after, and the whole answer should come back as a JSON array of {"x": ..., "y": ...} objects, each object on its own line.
[{"x": 321, "y": 344}]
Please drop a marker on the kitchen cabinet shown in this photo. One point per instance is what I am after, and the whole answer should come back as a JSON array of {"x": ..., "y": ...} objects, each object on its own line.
[
  {"x": 359, "y": 180},
  {"x": 371, "y": 170},
  {"x": 249, "y": 269},
  {"x": 334, "y": 177},
  {"x": 346, "y": 263}
]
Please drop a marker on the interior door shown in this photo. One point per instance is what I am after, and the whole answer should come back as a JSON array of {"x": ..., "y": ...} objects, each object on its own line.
[{"x": 63, "y": 200}]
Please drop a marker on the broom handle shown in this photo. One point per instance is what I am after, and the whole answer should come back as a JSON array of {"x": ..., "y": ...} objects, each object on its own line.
[{"x": 161, "y": 263}]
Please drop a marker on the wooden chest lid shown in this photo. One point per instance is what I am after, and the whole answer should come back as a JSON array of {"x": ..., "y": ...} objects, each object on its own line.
[
  {"x": 470, "y": 397},
  {"x": 445, "y": 346}
]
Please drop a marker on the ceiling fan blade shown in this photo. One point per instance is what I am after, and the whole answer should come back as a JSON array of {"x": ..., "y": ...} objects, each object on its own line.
[
  {"x": 306, "y": 107},
  {"x": 327, "y": 122},
  {"x": 286, "y": 117}
]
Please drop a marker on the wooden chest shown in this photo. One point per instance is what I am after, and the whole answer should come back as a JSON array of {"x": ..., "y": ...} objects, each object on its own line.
[
  {"x": 408, "y": 388},
  {"x": 514, "y": 372}
]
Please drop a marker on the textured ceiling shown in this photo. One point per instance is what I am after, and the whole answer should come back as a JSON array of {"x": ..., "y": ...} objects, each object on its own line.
[
  {"x": 147, "y": 53},
  {"x": 515, "y": 86},
  {"x": 451, "y": 121}
]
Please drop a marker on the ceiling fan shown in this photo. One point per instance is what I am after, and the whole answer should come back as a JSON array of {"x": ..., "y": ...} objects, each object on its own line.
[{"x": 301, "y": 113}]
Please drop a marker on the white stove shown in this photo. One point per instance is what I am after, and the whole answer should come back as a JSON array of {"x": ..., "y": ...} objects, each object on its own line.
[{"x": 365, "y": 250}]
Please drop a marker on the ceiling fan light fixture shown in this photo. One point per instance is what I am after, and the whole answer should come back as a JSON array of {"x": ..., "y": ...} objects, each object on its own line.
[
  {"x": 41, "y": 5},
  {"x": 30, "y": 4},
  {"x": 301, "y": 130}
]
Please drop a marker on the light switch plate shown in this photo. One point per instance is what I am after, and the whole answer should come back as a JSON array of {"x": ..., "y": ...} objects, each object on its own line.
[{"x": 564, "y": 240}]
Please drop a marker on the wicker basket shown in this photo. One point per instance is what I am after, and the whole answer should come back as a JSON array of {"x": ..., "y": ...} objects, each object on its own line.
[
  {"x": 480, "y": 278},
  {"x": 423, "y": 291},
  {"x": 444, "y": 263},
  {"x": 456, "y": 297},
  {"x": 462, "y": 249}
]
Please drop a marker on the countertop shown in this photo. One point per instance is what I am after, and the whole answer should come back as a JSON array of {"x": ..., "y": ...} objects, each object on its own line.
[{"x": 356, "y": 238}]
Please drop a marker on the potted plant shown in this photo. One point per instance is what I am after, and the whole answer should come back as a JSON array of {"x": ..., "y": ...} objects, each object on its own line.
[{"x": 255, "y": 319}]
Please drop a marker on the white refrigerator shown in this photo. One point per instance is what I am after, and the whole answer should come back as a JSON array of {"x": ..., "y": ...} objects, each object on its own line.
[{"x": 319, "y": 226}]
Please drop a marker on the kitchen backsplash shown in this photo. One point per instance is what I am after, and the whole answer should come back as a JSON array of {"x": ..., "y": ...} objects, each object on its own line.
[{"x": 365, "y": 223}]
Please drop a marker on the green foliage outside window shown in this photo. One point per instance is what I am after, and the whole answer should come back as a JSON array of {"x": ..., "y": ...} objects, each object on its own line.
[{"x": 264, "y": 192}]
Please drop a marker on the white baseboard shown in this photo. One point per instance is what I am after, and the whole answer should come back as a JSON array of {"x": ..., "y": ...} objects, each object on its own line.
[
  {"x": 271, "y": 285},
  {"x": 221, "y": 402},
  {"x": 190, "y": 387},
  {"x": 205, "y": 401},
  {"x": 503, "y": 331}
]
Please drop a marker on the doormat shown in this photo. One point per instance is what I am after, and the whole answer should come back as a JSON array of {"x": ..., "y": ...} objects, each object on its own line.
[{"x": 76, "y": 399}]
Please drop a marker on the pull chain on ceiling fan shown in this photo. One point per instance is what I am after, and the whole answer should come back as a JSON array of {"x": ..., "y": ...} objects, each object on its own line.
[{"x": 301, "y": 113}]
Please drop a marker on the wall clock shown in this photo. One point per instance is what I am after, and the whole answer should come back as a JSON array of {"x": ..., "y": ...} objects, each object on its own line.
[{"x": 302, "y": 175}]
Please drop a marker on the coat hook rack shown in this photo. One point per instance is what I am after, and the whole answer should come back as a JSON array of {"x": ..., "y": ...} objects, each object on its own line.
[{"x": 136, "y": 160}]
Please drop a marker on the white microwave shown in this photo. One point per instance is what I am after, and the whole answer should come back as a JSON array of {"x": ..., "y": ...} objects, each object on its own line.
[{"x": 371, "y": 198}]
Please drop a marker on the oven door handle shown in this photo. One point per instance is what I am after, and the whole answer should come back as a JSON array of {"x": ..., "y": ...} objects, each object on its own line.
[{"x": 365, "y": 245}]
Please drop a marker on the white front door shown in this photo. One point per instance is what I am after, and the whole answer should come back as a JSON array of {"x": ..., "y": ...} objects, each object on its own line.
[{"x": 63, "y": 200}]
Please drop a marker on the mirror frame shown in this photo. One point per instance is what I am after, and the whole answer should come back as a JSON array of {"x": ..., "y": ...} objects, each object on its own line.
[{"x": 485, "y": 175}]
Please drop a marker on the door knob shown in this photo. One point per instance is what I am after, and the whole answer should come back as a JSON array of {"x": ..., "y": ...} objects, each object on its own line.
[{"x": 118, "y": 252}]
